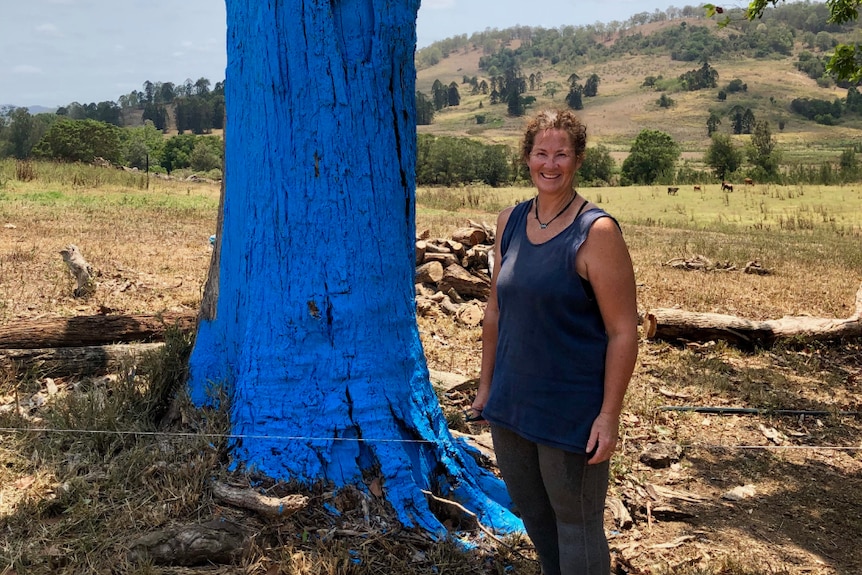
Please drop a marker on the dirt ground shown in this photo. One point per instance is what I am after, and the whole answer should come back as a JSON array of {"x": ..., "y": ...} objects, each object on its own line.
[
  {"x": 729, "y": 494},
  {"x": 775, "y": 493}
]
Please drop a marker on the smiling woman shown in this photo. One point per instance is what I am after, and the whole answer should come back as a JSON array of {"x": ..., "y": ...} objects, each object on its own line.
[{"x": 559, "y": 342}]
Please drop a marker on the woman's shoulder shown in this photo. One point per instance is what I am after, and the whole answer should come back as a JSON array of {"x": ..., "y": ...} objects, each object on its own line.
[
  {"x": 598, "y": 218},
  {"x": 504, "y": 215}
]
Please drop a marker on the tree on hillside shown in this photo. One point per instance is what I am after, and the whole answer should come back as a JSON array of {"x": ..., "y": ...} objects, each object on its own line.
[
  {"x": 651, "y": 159},
  {"x": 762, "y": 151},
  {"x": 514, "y": 104},
  {"x": 736, "y": 119},
  {"x": 712, "y": 123},
  {"x": 722, "y": 156},
  {"x": 439, "y": 95},
  {"x": 453, "y": 95},
  {"x": 748, "y": 121},
  {"x": 846, "y": 61},
  {"x": 308, "y": 316},
  {"x": 157, "y": 114},
  {"x": 167, "y": 92},
  {"x": 591, "y": 86},
  {"x": 424, "y": 109},
  {"x": 551, "y": 89},
  {"x": 575, "y": 97}
]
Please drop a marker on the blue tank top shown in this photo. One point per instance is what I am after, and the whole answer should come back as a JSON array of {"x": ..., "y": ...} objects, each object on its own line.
[{"x": 548, "y": 381}]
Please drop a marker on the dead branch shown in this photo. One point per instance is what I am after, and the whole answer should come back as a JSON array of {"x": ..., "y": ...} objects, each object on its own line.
[{"x": 270, "y": 507}]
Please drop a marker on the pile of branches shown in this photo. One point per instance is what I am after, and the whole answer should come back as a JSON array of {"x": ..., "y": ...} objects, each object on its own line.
[{"x": 453, "y": 275}]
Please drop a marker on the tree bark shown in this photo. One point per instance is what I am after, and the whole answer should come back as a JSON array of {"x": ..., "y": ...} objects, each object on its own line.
[
  {"x": 187, "y": 545},
  {"x": 675, "y": 324},
  {"x": 90, "y": 330}
]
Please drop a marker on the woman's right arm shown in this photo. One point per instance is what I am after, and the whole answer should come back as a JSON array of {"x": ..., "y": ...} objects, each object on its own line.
[{"x": 489, "y": 322}]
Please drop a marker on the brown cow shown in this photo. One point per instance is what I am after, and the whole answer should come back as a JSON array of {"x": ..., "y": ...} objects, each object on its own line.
[
  {"x": 672, "y": 191},
  {"x": 697, "y": 188},
  {"x": 726, "y": 186},
  {"x": 749, "y": 182}
]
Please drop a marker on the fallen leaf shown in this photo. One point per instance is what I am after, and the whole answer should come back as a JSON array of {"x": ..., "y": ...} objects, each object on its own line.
[{"x": 375, "y": 488}]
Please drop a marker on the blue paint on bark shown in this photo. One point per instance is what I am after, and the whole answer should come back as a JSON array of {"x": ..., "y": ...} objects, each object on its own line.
[{"x": 314, "y": 337}]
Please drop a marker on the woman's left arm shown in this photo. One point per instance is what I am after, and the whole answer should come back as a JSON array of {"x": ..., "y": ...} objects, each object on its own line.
[{"x": 605, "y": 262}]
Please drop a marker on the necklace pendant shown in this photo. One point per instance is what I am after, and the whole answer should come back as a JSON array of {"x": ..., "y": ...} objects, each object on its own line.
[{"x": 544, "y": 226}]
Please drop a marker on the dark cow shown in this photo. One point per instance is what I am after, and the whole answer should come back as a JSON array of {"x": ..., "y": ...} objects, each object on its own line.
[
  {"x": 672, "y": 191},
  {"x": 726, "y": 186},
  {"x": 697, "y": 188}
]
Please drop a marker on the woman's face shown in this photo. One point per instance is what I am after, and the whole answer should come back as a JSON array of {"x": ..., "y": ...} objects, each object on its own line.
[{"x": 553, "y": 163}]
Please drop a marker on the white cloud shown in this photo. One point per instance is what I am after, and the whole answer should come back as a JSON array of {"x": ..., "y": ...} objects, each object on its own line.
[
  {"x": 27, "y": 70},
  {"x": 48, "y": 29}
]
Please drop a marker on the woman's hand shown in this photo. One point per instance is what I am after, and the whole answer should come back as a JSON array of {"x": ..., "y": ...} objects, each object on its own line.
[
  {"x": 474, "y": 415},
  {"x": 603, "y": 438}
]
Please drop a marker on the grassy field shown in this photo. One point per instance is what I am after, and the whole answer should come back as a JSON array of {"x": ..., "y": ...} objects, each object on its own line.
[{"x": 72, "y": 501}]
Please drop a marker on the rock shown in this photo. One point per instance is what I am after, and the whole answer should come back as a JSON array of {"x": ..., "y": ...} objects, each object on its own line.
[
  {"x": 661, "y": 455},
  {"x": 739, "y": 493}
]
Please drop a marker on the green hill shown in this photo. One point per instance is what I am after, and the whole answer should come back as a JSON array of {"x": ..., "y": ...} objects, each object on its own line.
[{"x": 763, "y": 56}]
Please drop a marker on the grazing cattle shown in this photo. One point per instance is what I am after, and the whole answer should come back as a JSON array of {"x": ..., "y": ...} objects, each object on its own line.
[
  {"x": 749, "y": 182},
  {"x": 726, "y": 186},
  {"x": 697, "y": 188},
  {"x": 672, "y": 191}
]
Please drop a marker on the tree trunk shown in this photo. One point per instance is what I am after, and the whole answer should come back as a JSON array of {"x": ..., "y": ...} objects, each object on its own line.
[
  {"x": 675, "y": 324},
  {"x": 89, "y": 330},
  {"x": 313, "y": 333}
]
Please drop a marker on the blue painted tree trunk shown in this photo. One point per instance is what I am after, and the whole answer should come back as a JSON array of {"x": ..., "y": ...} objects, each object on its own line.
[{"x": 313, "y": 331}]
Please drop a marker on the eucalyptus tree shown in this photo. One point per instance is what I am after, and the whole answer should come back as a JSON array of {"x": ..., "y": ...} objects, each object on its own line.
[{"x": 308, "y": 318}]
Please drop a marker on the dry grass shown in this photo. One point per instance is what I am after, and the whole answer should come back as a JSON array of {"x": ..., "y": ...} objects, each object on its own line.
[{"x": 72, "y": 502}]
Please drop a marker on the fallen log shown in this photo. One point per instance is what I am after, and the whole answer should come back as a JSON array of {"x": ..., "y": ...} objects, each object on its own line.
[
  {"x": 74, "y": 361},
  {"x": 676, "y": 324},
  {"x": 90, "y": 330},
  {"x": 268, "y": 506},
  {"x": 466, "y": 284},
  {"x": 470, "y": 236},
  {"x": 430, "y": 273}
]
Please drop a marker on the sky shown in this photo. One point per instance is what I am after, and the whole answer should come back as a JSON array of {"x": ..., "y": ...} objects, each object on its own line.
[{"x": 54, "y": 52}]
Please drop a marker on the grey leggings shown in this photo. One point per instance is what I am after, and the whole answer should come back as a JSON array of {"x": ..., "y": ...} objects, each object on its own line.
[{"x": 561, "y": 500}]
